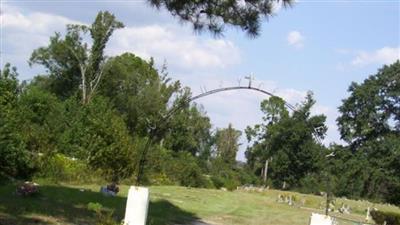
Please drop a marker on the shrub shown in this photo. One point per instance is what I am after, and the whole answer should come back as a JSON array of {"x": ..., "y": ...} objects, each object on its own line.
[
  {"x": 160, "y": 179},
  {"x": 103, "y": 217},
  {"x": 391, "y": 218},
  {"x": 311, "y": 184},
  {"x": 231, "y": 184},
  {"x": 217, "y": 181},
  {"x": 60, "y": 168},
  {"x": 175, "y": 168},
  {"x": 185, "y": 170}
]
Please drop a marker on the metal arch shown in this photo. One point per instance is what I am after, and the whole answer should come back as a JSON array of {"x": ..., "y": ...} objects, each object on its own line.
[
  {"x": 187, "y": 101},
  {"x": 172, "y": 111},
  {"x": 238, "y": 88}
]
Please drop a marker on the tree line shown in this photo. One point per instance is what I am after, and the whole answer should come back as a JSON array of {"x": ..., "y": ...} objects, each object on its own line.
[{"x": 91, "y": 115}]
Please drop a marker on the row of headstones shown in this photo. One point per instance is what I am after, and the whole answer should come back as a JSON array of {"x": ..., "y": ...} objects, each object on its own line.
[
  {"x": 344, "y": 208},
  {"x": 252, "y": 188}
]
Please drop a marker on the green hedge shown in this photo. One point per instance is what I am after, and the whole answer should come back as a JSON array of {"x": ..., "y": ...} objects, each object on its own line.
[
  {"x": 391, "y": 218},
  {"x": 60, "y": 168}
]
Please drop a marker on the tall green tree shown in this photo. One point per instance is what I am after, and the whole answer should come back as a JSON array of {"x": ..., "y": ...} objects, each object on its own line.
[
  {"x": 43, "y": 121},
  {"x": 213, "y": 15},
  {"x": 70, "y": 62},
  {"x": 289, "y": 141},
  {"x": 370, "y": 124},
  {"x": 15, "y": 160},
  {"x": 373, "y": 108},
  {"x": 97, "y": 134},
  {"x": 189, "y": 130},
  {"x": 227, "y": 144},
  {"x": 138, "y": 91}
]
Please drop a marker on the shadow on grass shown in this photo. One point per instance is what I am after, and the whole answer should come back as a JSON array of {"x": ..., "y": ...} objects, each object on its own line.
[
  {"x": 164, "y": 212},
  {"x": 66, "y": 205}
]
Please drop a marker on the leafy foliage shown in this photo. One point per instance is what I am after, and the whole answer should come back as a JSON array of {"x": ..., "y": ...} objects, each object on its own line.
[
  {"x": 227, "y": 144},
  {"x": 137, "y": 91},
  {"x": 130, "y": 108},
  {"x": 373, "y": 108},
  {"x": 99, "y": 135},
  {"x": 212, "y": 15},
  {"x": 370, "y": 123},
  {"x": 389, "y": 218},
  {"x": 290, "y": 142},
  {"x": 15, "y": 160},
  {"x": 69, "y": 60}
]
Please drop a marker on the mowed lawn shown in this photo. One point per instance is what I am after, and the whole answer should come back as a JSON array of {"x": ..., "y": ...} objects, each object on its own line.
[{"x": 68, "y": 204}]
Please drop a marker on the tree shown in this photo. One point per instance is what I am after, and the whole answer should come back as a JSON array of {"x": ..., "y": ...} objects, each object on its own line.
[
  {"x": 70, "y": 61},
  {"x": 290, "y": 140},
  {"x": 370, "y": 123},
  {"x": 373, "y": 108},
  {"x": 227, "y": 144},
  {"x": 189, "y": 130},
  {"x": 97, "y": 134},
  {"x": 212, "y": 15},
  {"x": 15, "y": 160},
  {"x": 43, "y": 121},
  {"x": 138, "y": 92}
]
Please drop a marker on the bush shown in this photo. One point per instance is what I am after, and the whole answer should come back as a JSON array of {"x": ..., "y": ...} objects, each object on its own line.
[
  {"x": 169, "y": 167},
  {"x": 185, "y": 170},
  {"x": 229, "y": 176},
  {"x": 246, "y": 177},
  {"x": 103, "y": 217},
  {"x": 217, "y": 181},
  {"x": 60, "y": 168},
  {"x": 391, "y": 218},
  {"x": 231, "y": 184},
  {"x": 311, "y": 184}
]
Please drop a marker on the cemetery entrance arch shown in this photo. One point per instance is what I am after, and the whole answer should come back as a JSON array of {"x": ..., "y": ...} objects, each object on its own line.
[{"x": 166, "y": 117}]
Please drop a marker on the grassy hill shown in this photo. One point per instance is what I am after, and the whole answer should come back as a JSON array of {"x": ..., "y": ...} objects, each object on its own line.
[{"x": 68, "y": 204}]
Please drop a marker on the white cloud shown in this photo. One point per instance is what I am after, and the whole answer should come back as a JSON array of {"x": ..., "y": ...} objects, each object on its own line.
[
  {"x": 180, "y": 48},
  {"x": 21, "y": 33},
  {"x": 385, "y": 55},
  {"x": 37, "y": 22},
  {"x": 296, "y": 39}
]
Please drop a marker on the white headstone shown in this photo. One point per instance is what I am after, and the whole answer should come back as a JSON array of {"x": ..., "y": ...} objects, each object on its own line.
[
  {"x": 137, "y": 206},
  {"x": 368, "y": 216},
  {"x": 318, "y": 219}
]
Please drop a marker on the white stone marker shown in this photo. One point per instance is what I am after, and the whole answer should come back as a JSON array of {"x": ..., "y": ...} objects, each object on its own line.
[
  {"x": 318, "y": 219},
  {"x": 137, "y": 206}
]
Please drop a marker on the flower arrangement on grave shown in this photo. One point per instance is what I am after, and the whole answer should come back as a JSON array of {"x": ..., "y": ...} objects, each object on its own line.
[
  {"x": 27, "y": 188},
  {"x": 113, "y": 187}
]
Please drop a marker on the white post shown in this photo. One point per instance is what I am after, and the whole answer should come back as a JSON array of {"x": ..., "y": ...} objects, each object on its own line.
[
  {"x": 368, "y": 216},
  {"x": 266, "y": 171},
  {"x": 137, "y": 206}
]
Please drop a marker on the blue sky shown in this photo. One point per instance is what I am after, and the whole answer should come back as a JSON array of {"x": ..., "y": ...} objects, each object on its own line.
[{"x": 320, "y": 46}]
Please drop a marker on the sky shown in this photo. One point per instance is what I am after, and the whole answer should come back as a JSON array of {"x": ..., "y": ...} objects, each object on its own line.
[{"x": 318, "y": 46}]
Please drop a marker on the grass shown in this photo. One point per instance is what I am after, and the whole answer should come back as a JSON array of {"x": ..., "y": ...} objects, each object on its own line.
[{"x": 67, "y": 204}]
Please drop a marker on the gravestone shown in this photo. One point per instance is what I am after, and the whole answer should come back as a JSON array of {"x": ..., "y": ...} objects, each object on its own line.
[
  {"x": 137, "y": 206},
  {"x": 318, "y": 219},
  {"x": 368, "y": 216}
]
